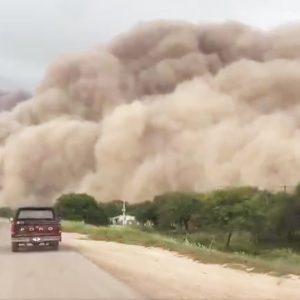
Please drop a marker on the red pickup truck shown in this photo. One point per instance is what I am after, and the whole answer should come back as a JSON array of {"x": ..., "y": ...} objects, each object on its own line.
[{"x": 35, "y": 226}]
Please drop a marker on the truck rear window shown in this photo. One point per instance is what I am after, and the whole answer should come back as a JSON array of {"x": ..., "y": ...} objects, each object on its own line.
[{"x": 35, "y": 214}]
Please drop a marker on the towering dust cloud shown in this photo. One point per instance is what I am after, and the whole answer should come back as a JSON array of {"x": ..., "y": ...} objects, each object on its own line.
[
  {"x": 9, "y": 99},
  {"x": 168, "y": 106}
]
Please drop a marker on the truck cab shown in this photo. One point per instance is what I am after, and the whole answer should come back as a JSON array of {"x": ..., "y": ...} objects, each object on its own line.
[{"x": 34, "y": 227}]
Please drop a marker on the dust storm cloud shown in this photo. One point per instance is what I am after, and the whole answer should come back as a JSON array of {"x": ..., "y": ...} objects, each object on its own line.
[
  {"x": 9, "y": 99},
  {"x": 168, "y": 106}
]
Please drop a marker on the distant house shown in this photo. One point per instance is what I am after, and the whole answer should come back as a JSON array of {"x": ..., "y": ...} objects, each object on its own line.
[{"x": 123, "y": 220}]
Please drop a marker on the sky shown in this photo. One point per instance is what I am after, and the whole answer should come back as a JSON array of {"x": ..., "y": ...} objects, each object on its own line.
[{"x": 33, "y": 33}]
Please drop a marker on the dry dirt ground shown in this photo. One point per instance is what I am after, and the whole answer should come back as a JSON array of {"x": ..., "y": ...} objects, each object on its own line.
[{"x": 160, "y": 274}]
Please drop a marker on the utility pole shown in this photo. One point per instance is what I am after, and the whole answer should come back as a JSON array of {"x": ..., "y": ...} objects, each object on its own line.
[{"x": 124, "y": 212}]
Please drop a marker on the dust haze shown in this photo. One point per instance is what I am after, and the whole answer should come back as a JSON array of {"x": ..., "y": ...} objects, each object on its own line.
[
  {"x": 9, "y": 99},
  {"x": 168, "y": 106}
]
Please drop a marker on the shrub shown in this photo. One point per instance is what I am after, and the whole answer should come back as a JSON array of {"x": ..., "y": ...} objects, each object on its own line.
[{"x": 81, "y": 207}]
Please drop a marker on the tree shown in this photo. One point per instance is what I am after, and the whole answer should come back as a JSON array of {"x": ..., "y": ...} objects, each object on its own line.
[
  {"x": 176, "y": 209},
  {"x": 228, "y": 210},
  {"x": 6, "y": 212},
  {"x": 284, "y": 215},
  {"x": 75, "y": 206},
  {"x": 113, "y": 208},
  {"x": 96, "y": 216},
  {"x": 255, "y": 214},
  {"x": 81, "y": 207},
  {"x": 144, "y": 211},
  {"x": 169, "y": 210}
]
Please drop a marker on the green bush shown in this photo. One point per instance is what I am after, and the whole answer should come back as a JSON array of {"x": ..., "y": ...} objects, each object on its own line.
[
  {"x": 6, "y": 212},
  {"x": 245, "y": 217},
  {"x": 81, "y": 207},
  {"x": 266, "y": 217},
  {"x": 96, "y": 216},
  {"x": 113, "y": 208}
]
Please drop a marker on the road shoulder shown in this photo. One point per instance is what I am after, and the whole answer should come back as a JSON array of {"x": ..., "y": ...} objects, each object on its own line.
[{"x": 159, "y": 273}]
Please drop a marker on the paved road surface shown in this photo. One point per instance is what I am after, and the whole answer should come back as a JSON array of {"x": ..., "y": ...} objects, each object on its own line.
[{"x": 54, "y": 275}]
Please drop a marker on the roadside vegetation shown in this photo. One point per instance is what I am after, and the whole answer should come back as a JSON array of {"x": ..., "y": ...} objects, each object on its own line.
[
  {"x": 81, "y": 207},
  {"x": 6, "y": 212},
  {"x": 278, "y": 262},
  {"x": 238, "y": 219},
  {"x": 236, "y": 225},
  {"x": 242, "y": 225}
]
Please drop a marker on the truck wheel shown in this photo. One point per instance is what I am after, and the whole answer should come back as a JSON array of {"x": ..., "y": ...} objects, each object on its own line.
[
  {"x": 55, "y": 245},
  {"x": 14, "y": 247}
]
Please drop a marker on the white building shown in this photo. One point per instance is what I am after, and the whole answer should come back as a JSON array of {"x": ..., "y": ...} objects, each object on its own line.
[{"x": 123, "y": 220}]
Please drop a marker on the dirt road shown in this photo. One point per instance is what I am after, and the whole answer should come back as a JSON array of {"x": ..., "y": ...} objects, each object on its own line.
[
  {"x": 107, "y": 270},
  {"x": 54, "y": 275}
]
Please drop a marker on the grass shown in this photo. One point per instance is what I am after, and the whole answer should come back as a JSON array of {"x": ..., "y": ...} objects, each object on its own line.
[
  {"x": 240, "y": 241},
  {"x": 278, "y": 261}
]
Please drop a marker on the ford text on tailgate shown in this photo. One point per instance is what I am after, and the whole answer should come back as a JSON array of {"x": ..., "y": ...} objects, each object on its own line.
[{"x": 35, "y": 226}]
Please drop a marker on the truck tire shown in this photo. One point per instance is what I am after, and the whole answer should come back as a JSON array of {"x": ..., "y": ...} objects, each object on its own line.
[{"x": 14, "y": 247}]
